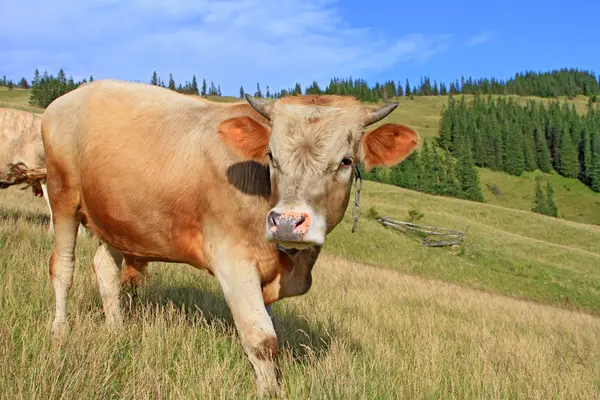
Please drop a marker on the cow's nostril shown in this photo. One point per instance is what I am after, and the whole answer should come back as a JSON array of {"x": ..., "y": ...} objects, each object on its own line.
[
  {"x": 300, "y": 221},
  {"x": 273, "y": 218}
]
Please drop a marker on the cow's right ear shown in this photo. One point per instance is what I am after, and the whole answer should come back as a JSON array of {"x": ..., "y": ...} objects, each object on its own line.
[{"x": 246, "y": 137}]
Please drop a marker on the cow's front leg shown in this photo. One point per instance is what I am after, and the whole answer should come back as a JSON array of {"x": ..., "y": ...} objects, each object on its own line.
[{"x": 240, "y": 283}]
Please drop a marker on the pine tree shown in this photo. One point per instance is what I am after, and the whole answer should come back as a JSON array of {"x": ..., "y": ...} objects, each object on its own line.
[
  {"x": 242, "y": 94},
  {"x": 268, "y": 93},
  {"x": 568, "y": 165},
  {"x": 154, "y": 80},
  {"x": 541, "y": 150},
  {"x": 447, "y": 125},
  {"x": 203, "y": 93},
  {"x": 258, "y": 92},
  {"x": 594, "y": 172},
  {"x": 297, "y": 89},
  {"x": 451, "y": 186},
  {"x": 195, "y": 86},
  {"x": 468, "y": 177},
  {"x": 429, "y": 179},
  {"x": 551, "y": 208},
  {"x": 23, "y": 84},
  {"x": 539, "y": 201},
  {"x": 407, "y": 91},
  {"x": 514, "y": 162},
  {"x": 171, "y": 82}
]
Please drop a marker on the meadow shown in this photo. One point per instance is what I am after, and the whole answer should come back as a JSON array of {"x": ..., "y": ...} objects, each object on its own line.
[{"x": 513, "y": 314}]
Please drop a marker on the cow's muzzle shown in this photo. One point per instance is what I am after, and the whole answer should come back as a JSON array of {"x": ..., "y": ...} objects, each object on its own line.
[{"x": 294, "y": 228}]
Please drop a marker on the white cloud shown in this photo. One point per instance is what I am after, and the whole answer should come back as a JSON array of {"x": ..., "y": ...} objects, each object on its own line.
[
  {"x": 480, "y": 39},
  {"x": 232, "y": 42}
]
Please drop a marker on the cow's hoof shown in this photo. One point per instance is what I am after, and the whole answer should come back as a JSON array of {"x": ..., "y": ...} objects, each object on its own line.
[{"x": 60, "y": 330}]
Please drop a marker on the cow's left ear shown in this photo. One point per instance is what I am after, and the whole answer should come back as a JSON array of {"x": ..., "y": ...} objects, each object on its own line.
[
  {"x": 388, "y": 145},
  {"x": 246, "y": 137}
]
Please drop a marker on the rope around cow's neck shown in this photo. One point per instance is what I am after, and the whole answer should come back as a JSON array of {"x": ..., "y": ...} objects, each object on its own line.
[{"x": 356, "y": 208}]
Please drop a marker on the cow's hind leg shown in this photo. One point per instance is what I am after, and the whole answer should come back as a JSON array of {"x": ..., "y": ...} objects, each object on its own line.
[
  {"x": 80, "y": 230},
  {"x": 62, "y": 262},
  {"x": 241, "y": 287},
  {"x": 107, "y": 264}
]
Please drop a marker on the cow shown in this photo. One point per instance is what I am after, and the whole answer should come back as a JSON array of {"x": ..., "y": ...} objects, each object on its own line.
[
  {"x": 245, "y": 191},
  {"x": 21, "y": 143}
]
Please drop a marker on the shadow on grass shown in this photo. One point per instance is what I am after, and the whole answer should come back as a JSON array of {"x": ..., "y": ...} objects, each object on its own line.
[
  {"x": 33, "y": 217},
  {"x": 305, "y": 341}
]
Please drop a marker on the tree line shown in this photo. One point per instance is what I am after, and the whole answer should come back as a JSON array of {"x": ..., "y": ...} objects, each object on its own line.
[
  {"x": 563, "y": 82},
  {"x": 503, "y": 135}
]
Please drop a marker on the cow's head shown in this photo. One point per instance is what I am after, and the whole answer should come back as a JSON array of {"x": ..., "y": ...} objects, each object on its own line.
[{"x": 312, "y": 146}]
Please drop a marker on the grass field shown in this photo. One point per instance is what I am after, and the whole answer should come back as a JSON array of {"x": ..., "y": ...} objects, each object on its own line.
[{"x": 374, "y": 325}]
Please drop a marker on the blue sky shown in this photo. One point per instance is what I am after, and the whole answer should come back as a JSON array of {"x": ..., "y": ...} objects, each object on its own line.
[{"x": 279, "y": 42}]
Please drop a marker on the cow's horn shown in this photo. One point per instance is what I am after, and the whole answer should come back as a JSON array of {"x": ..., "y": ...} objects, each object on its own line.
[
  {"x": 372, "y": 116},
  {"x": 262, "y": 106}
]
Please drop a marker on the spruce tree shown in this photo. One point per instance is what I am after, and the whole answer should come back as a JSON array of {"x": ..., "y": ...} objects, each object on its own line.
[
  {"x": 171, "y": 82},
  {"x": 451, "y": 186},
  {"x": 539, "y": 201},
  {"x": 195, "y": 86},
  {"x": 154, "y": 79},
  {"x": 429, "y": 178},
  {"x": 594, "y": 172},
  {"x": 242, "y": 94},
  {"x": 541, "y": 150},
  {"x": 203, "y": 92},
  {"x": 568, "y": 165},
  {"x": 258, "y": 92},
  {"x": 551, "y": 208},
  {"x": 513, "y": 159},
  {"x": 467, "y": 175}
]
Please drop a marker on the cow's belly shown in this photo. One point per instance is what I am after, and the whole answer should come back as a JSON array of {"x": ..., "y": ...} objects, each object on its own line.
[{"x": 146, "y": 228}]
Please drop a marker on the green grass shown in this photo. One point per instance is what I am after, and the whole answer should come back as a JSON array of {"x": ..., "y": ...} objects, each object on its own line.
[
  {"x": 508, "y": 251},
  {"x": 17, "y": 98},
  {"x": 362, "y": 332},
  {"x": 575, "y": 201}
]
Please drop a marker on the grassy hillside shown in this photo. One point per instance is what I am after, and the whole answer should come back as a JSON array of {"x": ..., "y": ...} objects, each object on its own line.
[
  {"x": 17, "y": 98},
  {"x": 362, "y": 332},
  {"x": 575, "y": 201}
]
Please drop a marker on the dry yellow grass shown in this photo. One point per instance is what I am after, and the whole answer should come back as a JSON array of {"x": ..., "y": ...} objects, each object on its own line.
[{"x": 362, "y": 332}]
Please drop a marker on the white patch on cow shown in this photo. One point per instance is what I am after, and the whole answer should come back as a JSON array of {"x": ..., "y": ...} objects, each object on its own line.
[{"x": 45, "y": 192}]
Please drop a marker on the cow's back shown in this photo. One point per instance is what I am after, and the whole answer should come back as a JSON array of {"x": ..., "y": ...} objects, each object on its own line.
[{"x": 20, "y": 138}]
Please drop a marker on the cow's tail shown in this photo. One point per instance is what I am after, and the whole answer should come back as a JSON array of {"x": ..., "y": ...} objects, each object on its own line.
[{"x": 19, "y": 173}]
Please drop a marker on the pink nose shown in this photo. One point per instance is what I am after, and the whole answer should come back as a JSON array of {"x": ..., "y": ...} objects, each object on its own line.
[{"x": 290, "y": 226}]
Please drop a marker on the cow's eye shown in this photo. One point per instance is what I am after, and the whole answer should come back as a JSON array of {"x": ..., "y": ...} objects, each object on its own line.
[{"x": 346, "y": 162}]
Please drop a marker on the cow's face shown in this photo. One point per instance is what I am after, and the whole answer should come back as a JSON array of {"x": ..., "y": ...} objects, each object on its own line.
[{"x": 312, "y": 148}]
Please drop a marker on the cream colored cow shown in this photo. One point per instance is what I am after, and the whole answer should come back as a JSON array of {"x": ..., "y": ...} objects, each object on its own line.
[
  {"x": 246, "y": 192},
  {"x": 21, "y": 142}
]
